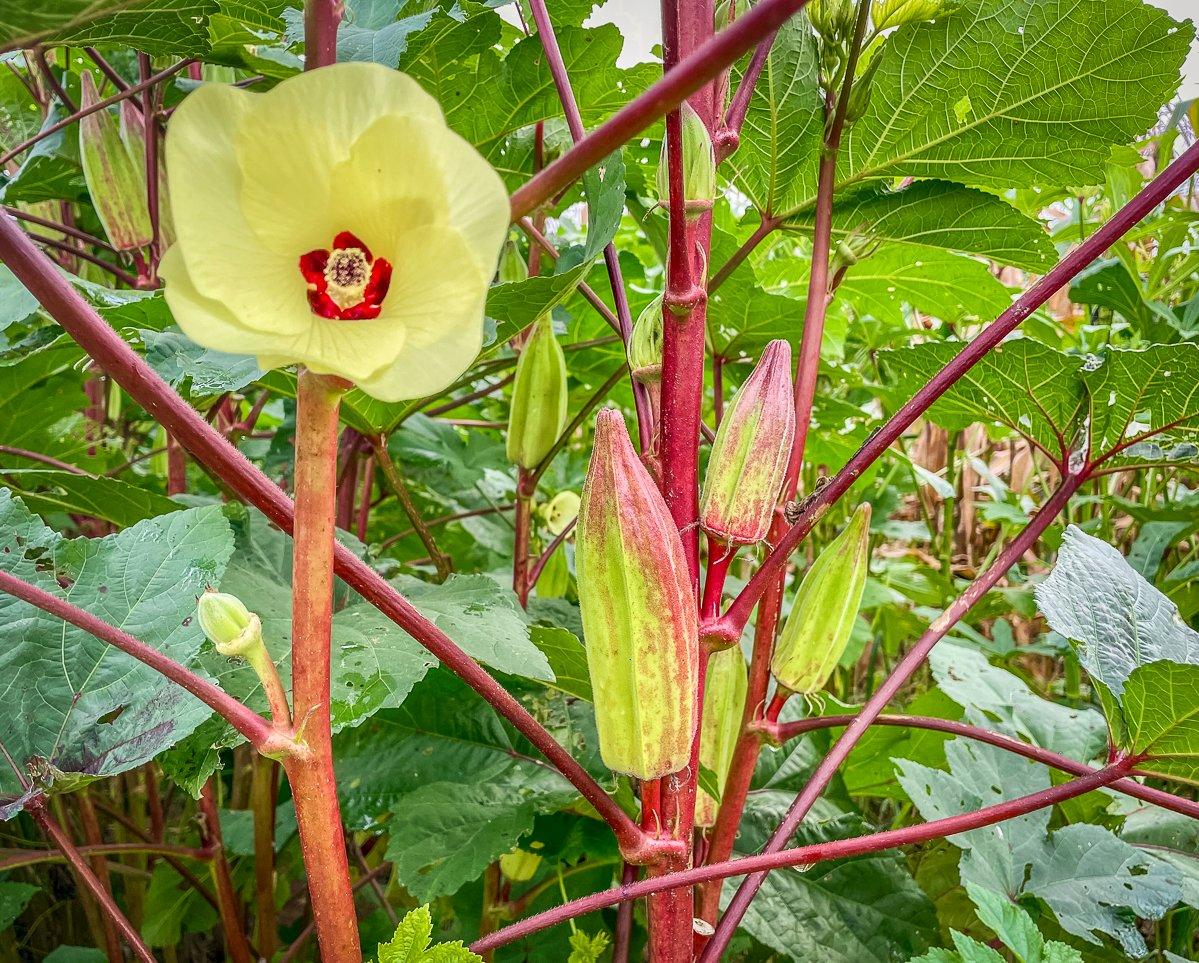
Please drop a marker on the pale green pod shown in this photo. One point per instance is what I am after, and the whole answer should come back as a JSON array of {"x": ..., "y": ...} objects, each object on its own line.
[
  {"x": 640, "y": 619},
  {"x": 112, "y": 154},
  {"x": 645, "y": 343},
  {"x": 699, "y": 165},
  {"x": 539, "y": 397},
  {"x": 749, "y": 456},
  {"x": 512, "y": 265},
  {"x": 720, "y": 725},
  {"x": 821, "y": 620}
]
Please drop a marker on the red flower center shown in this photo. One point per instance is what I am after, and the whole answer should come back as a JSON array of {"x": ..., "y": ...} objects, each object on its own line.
[{"x": 345, "y": 282}]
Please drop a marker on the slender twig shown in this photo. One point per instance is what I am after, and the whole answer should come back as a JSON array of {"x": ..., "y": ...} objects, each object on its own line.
[
  {"x": 539, "y": 565},
  {"x": 817, "y": 853},
  {"x": 907, "y": 666},
  {"x": 730, "y": 133},
  {"x": 256, "y": 729},
  {"x": 445, "y": 519},
  {"x": 84, "y": 112},
  {"x": 17, "y": 858},
  {"x": 36, "y": 808},
  {"x": 210, "y": 448},
  {"x": 587, "y": 292},
  {"x": 108, "y": 71},
  {"x": 264, "y": 780},
  {"x": 118, "y": 273},
  {"x": 43, "y": 66},
  {"x": 688, "y": 76},
  {"x": 236, "y": 945},
  {"x": 488, "y": 389},
  {"x": 441, "y": 561},
  {"x": 764, "y": 228},
  {"x": 44, "y": 459},
  {"x": 730, "y": 625},
  {"x": 66, "y": 229},
  {"x": 372, "y": 879}
]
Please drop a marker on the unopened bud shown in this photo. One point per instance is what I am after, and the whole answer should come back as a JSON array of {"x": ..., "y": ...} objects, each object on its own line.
[
  {"x": 749, "y": 456},
  {"x": 232, "y": 628},
  {"x": 512, "y": 264},
  {"x": 720, "y": 727},
  {"x": 113, "y": 160},
  {"x": 821, "y": 620},
  {"x": 554, "y": 580},
  {"x": 832, "y": 19},
  {"x": 639, "y": 613},
  {"x": 699, "y": 165},
  {"x": 859, "y": 94},
  {"x": 519, "y": 865},
  {"x": 539, "y": 397},
  {"x": 645, "y": 343}
]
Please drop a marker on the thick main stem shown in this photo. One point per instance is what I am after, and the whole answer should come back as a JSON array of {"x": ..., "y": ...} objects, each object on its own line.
[
  {"x": 313, "y": 786},
  {"x": 817, "y": 853},
  {"x": 874, "y": 706}
]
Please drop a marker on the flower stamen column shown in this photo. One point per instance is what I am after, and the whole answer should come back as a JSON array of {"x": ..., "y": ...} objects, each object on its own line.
[{"x": 313, "y": 787}]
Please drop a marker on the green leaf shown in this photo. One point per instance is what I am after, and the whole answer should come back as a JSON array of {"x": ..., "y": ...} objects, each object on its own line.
[
  {"x": 1074, "y": 78},
  {"x": 14, "y": 897},
  {"x": 587, "y": 949},
  {"x": 1022, "y": 384},
  {"x": 76, "y": 954},
  {"x": 173, "y": 907},
  {"x": 1145, "y": 405},
  {"x": 517, "y": 304},
  {"x": 177, "y": 358},
  {"x": 604, "y": 187},
  {"x": 784, "y": 124},
  {"x": 437, "y": 848},
  {"x": 567, "y": 659},
  {"x": 1107, "y": 284},
  {"x": 16, "y": 303},
  {"x": 46, "y": 490},
  {"x": 1087, "y": 876},
  {"x": 410, "y": 944},
  {"x": 1010, "y": 923},
  {"x": 80, "y": 708},
  {"x": 945, "y": 285},
  {"x": 939, "y": 214}
]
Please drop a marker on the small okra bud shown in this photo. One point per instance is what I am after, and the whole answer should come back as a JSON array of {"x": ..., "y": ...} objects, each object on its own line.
[
  {"x": 699, "y": 165},
  {"x": 233, "y": 629},
  {"x": 560, "y": 511},
  {"x": 645, "y": 344},
  {"x": 720, "y": 727},
  {"x": 539, "y": 397},
  {"x": 749, "y": 456},
  {"x": 112, "y": 154},
  {"x": 512, "y": 264},
  {"x": 832, "y": 19},
  {"x": 519, "y": 865},
  {"x": 640, "y": 618},
  {"x": 821, "y": 620},
  {"x": 863, "y": 84}
]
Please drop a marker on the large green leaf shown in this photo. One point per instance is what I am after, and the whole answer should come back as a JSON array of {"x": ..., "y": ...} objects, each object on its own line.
[
  {"x": 1090, "y": 878},
  {"x": 160, "y": 27},
  {"x": 177, "y": 359},
  {"x": 46, "y": 490},
  {"x": 77, "y": 706},
  {"x": 942, "y": 215},
  {"x": 1004, "y": 94}
]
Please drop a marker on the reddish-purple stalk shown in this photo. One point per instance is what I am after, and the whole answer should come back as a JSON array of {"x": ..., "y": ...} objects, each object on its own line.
[
  {"x": 237, "y": 947},
  {"x": 119, "y": 273},
  {"x": 251, "y": 725},
  {"x": 764, "y": 228},
  {"x": 18, "y": 858},
  {"x": 729, "y": 135},
  {"x": 84, "y": 112},
  {"x": 695, "y": 69},
  {"x": 523, "y": 523},
  {"x": 730, "y": 625},
  {"x": 574, "y": 121},
  {"x": 36, "y": 808},
  {"x": 817, "y": 853},
  {"x": 907, "y": 666},
  {"x": 211, "y": 449},
  {"x": 108, "y": 71},
  {"x": 67, "y": 229},
  {"x": 785, "y": 731},
  {"x": 544, "y": 557}
]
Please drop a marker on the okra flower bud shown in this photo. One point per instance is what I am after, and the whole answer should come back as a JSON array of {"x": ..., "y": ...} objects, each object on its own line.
[
  {"x": 832, "y": 19},
  {"x": 640, "y": 619},
  {"x": 818, "y": 628},
  {"x": 112, "y": 153},
  {"x": 512, "y": 265},
  {"x": 724, "y": 703},
  {"x": 539, "y": 396},
  {"x": 645, "y": 344},
  {"x": 232, "y": 628},
  {"x": 699, "y": 165},
  {"x": 560, "y": 511},
  {"x": 750, "y": 453}
]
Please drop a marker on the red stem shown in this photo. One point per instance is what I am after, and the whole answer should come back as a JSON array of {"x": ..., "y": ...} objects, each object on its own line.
[
  {"x": 734, "y": 118},
  {"x": 691, "y": 73},
  {"x": 236, "y": 944},
  {"x": 313, "y": 785},
  {"x": 520, "y": 543},
  {"x": 539, "y": 565},
  {"x": 874, "y": 706},
  {"x": 84, "y": 112},
  {"x": 1129, "y": 787},
  {"x": 66, "y": 229},
  {"x": 321, "y": 19},
  {"x": 735, "y": 618},
  {"x": 256, "y": 729},
  {"x": 54, "y": 832},
  {"x": 764, "y": 228},
  {"x": 817, "y": 853},
  {"x": 211, "y": 449}
]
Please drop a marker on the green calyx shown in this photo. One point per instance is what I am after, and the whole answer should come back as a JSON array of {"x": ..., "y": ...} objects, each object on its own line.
[
  {"x": 645, "y": 343},
  {"x": 821, "y": 621},
  {"x": 539, "y": 397},
  {"x": 699, "y": 165},
  {"x": 233, "y": 629}
]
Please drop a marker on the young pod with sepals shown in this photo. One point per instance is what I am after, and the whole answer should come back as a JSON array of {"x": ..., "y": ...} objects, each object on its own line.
[
  {"x": 640, "y": 619},
  {"x": 539, "y": 397},
  {"x": 821, "y": 620},
  {"x": 749, "y": 456},
  {"x": 699, "y": 165},
  {"x": 720, "y": 726}
]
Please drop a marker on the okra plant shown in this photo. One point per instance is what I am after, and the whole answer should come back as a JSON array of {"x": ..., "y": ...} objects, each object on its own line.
[{"x": 469, "y": 494}]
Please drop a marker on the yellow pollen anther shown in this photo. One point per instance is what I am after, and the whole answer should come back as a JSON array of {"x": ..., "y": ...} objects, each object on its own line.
[{"x": 347, "y": 274}]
